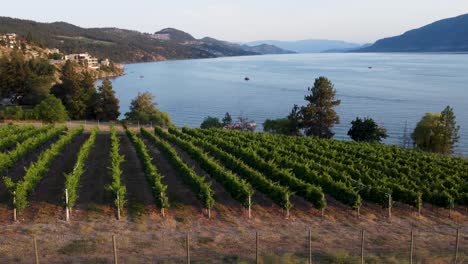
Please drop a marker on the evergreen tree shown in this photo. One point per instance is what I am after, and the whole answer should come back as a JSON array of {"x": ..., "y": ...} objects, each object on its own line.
[
  {"x": 26, "y": 82},
  {"x": 319, "y": 116},
  {"x": 106, "y": 105},
  {"x": 227, "y": 119},
  {"x": 449, "y": 130},
  {"x": 77, "y": 92}
]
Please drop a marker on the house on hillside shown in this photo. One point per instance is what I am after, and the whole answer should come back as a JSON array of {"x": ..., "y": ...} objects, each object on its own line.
[
  {"x": 85, "y": 59},
  {"x": 105, "y": 62},
  {"x": 161, "y": 36},
  {"x": 9, "y": 40}
]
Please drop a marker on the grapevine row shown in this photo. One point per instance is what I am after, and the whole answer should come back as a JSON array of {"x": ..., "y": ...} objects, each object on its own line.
[
  {"x": 72, "y": 179},
  {"x": 308, "y": 191},
  {"x": 239, "y": 189},
  {"x": 198, "y": 184},
  {"x": 337, "y": 189},
  {"x": 151, "y": 172},
  {"x": 281, "y": 195},
  {"x": 116, "y": 187},
  {"x": 9, "y": 159},
  {"x": 35, "y": 172}
]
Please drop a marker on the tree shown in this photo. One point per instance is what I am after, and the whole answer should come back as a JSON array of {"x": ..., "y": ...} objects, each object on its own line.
[
  {"x": 425, "y": 133},
  {"x": 51, "y": 110},
  {"x": 77, "y": 92},
  {"x": 211, "y": 122},
  {"x": 449, "y": 130},
  {"x": 277, "y": 126},
  {"x": 319, "y": 116},
  {"x": 437, "y": 132},
  {"x": 227, "y": 119},
  {"x": 26, "y": 82},
  {"x": 366, "y": 130},
  {"x": 106, "y": 104},
  {"x": 286, "y": 126},
  {"x": 143, "y": 109}
]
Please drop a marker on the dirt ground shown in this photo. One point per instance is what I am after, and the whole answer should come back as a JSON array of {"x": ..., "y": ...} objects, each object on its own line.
[{"x": 144, "y": 236}]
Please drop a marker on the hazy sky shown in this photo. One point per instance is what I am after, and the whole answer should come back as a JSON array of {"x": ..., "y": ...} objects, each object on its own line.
[{"x": 246, "y": 20}]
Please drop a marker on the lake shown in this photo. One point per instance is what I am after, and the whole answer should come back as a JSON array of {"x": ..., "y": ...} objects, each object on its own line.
[{"x": 399, "y": 88}]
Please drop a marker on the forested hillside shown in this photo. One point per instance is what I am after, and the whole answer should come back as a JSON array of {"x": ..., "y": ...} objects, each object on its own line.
[{"x": 120, "y": 45}]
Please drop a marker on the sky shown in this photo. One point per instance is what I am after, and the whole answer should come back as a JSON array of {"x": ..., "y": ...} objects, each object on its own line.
[{"x": 360, "y": 21}]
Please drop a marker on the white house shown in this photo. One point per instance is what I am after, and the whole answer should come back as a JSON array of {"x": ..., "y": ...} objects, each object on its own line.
[{"x": 84, "y": 58}]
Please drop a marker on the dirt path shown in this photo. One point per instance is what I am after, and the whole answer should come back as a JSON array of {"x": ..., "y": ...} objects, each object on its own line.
[
  {"x": 133, "y": 176},
  {"x": 179, "y": 193},
  {"x": 97, "y": 174}
]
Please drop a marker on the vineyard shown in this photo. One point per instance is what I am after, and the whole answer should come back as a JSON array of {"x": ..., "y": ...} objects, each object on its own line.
[{"x": 122, "y": 175}]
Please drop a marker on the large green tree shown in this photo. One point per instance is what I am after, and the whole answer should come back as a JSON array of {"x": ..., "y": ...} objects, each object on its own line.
[
  {"x": 143, "y": 109},
  {"x": 77, "y": 92},
  {"x": 227, "y": 119},
  {"x": 366, "y": 130},
  {"x": 211, "y": 122},
  {"x": 437, "y": 132},
  {"x": 106, "y": 105},
  {"x": 290, "y": 125},
  {"x": 51, "y": 110},
  {"x": 319, "y": 115},
  {"x": 26, "y": 82}
]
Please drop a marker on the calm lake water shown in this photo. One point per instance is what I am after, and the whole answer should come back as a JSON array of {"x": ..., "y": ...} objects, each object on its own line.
[{"x": 398, "y": 88}]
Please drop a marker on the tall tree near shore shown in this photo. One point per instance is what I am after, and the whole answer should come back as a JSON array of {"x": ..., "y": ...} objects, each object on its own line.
[
  {"x": 437, "y": 132},
  {"x": 106, "y": 104},
  {"x": 449, "y": 130},
  {"x": 77, "y": 92},
  {"x": 227, "y": 119},
  {"x": 319, "y": 115},
  {"x": 143, "y": 109},
  {"x": 366, "y": 130}
]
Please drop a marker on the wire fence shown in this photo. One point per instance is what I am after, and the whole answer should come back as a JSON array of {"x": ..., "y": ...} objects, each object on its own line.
[{"x": 312, "y": 246}]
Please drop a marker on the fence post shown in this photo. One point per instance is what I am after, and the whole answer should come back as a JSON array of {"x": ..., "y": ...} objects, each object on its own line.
[
  {"x": 411, "y": 246},
  {"x": 250, "y": 207},
  {"x": 362, "y": 246},
  {"x": 187, "y": 240},
  {"x": 114, "y": 246},
  {"x": 67, "y": 210},
  {"x": 36, "y": 254},
  {"x": 389, "y": 207},
  {"x": 162, "y": 207},
  {"x": 14, "y": 206},
  {"x": 457, "y": 241},
  {"x": 257, "y": 259},
  {"x": 310, "y": 246},
  {"x": 118, "y": 206},
  {"x": 359, "y": 212}
]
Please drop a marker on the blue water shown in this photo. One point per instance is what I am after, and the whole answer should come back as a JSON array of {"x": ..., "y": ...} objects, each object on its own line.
[{"x": 399, "y": 88}]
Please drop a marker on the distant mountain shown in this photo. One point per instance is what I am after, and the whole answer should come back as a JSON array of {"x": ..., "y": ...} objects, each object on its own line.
[
  {"x": 348, "y": 49},
  {"x": 266, "y": 49},
  {"x": 308, "y": 46},
  {"x": 447, "y": 35},
  {"x": 121, "y": 45}
]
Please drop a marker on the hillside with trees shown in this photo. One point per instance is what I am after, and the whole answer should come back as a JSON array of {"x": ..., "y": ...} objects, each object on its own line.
[
  {"x": 121, "y": 45},
  {"x": 447, "y": 35}
]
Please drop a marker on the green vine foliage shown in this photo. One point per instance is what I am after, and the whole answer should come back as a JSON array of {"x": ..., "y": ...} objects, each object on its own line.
[
  {"x": 36, "y": 171},
  {"x": 198, "y": 184},
  {"x": 238, "y": 188},
  {"x": 116, "y": 187},
  {"x": 72, "y": 179},
  {"x": 151, "y": 172}
]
